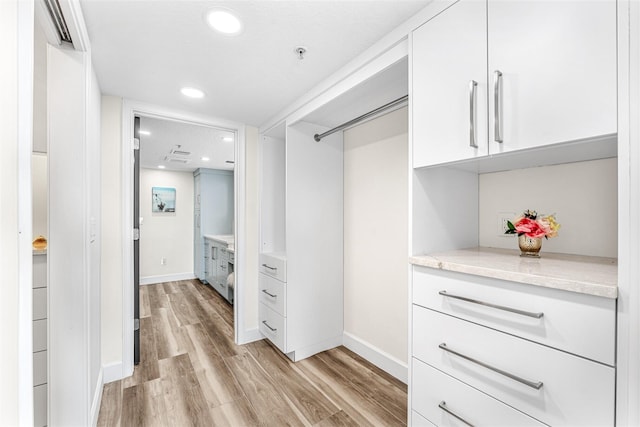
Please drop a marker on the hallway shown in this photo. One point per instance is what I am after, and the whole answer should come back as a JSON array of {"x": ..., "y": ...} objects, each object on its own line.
[{"x": 192, "y": 373}]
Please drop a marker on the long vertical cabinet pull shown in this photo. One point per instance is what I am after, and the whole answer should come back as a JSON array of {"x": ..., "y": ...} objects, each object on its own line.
[
  {"x": 497, "y": 105},
  {"x": 472, "y": 114}
]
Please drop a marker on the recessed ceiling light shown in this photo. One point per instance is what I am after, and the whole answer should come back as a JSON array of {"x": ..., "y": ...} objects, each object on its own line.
[
  {"x": 144, "y": 132},
  {"x": 223, "y": 21},
  {"x": 227, "y": 138},
  {"x": 160, "y": 166},
  {"x": 204, "y": 159},
  {"x": 192, "y": 92}
]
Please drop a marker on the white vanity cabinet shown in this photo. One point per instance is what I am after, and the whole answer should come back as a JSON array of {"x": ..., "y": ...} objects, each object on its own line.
[
  {"x": 499, "y": 352},
  {"x": 546, "y": 70},
  {"x": 219, "y": 260}
]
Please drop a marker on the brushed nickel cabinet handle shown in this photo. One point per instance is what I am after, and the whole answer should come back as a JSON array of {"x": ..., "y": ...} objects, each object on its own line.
[
  {"x": 533, "y": 384},
  {"x": 497, "y": 106},
  {"x": 472, "y": 114},
  {"x": 270, "y": 294},
  {"x": 443, "y": 405},
  {"x": 269, "y": 267},
  {"x": 487, "y": 304},
  {"x": 267, "y": 325}
]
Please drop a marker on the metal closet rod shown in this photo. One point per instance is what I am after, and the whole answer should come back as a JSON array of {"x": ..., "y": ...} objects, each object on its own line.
[{"x": 361, "y": 118}]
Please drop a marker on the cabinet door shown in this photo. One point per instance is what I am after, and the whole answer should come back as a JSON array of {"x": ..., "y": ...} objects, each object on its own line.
[
  {"x": 558, "y": 65},
  {"x": 449, "y": 53}
]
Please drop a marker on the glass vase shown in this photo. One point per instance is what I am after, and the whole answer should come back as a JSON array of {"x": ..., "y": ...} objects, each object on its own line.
[{"x": 530, "y": 246}]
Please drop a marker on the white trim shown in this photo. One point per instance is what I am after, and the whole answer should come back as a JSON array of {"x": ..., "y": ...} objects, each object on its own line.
[
  {"x": 129, "y": 109},
  {"x": 97, "y": 398},
  {"x": 150, "y": 280},
  {"x": 112, "y": 372},
  {"x": 26, "y": 15},
  {"x": 373, "y": 354},
  {"x": 72, "y": 12}
]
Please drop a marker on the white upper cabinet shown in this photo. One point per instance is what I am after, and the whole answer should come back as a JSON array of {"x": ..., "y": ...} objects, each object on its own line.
[
  {"x": 449, "y": 110},
  {"x": 558, "y": 65},
  {"x": 550, "y": 65}
]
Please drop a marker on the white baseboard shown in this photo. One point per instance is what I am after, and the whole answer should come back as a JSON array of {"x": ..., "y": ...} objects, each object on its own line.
[
  {"x": 112, "y": 372},
  {"x": 303, "y": 353},
  {"x": 381, "y": 359},
  {"x": 251, "y": 335},
  {"x": 97, "y": 399},
  {"x": 150, "y": 280}
]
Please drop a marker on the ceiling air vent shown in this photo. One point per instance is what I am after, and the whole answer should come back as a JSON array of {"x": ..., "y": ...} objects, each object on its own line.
[
  {"x": 176, "y": 152},
  {"x": 172, "y": 159},
  {"x": 60, "y": 25}
]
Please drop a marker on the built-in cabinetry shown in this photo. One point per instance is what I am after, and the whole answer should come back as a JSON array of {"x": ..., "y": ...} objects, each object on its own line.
[
  {"x": 40, "y": 311},
  {"x": 500, "y": 352},
  {"x": 498, "y": 76},
  {"x": 219, "y": 257},
  {"x": 300, "y": 281},
  {"x": 496, "y": 339},
  {"x": 213, "y": 210}
]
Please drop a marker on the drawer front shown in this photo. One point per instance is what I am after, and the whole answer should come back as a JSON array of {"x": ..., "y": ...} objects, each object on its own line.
[
  {"x": 577, "y": 323},
  {"x": 273, "y": 266},
  {"x": 418, "y": 420},
  {"x": 273, "y": 327},
  {"x": 574, "y": 391},
  {"x": 430, "y": 388},
  {"x": 273, "y": 294}
]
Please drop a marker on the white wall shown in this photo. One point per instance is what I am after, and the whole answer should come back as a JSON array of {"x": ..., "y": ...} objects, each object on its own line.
[
  {"x": 16, "y": 104},
  {"x": 111, "y": 275},
  {"x": 39, "y": 184},
  {"x": 375, "y": 237},
  {"x": 583, "y": 196},
  {"x": 252, "y": 239},
  {"x": 167, "y": 235}
]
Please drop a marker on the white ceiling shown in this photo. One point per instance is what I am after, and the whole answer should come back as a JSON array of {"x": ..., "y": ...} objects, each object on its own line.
[
  {"x": 199, "y": 141},
  {"x": 147, "y": 50}
]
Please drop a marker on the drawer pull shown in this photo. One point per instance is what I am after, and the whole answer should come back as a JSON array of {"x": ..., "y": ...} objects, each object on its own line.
[
  {"x": 533, "y": 384},
  {"x": 443, "y": 406},
  {"x": 269, "y": 267},
  {"x": 499, "y": 307},
  {"x": 269, "y": 294},
  {"x": 267, "y": 325}
]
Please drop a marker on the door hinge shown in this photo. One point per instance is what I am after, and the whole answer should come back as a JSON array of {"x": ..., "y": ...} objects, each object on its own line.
[
  {"x": 136, "y": 324},
  {"x": 136, "y": 143},
  {"x": 136, "y": 234}
]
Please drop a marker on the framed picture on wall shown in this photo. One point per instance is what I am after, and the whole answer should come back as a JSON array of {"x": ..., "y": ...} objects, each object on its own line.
[{"x": 163, "y": 199}]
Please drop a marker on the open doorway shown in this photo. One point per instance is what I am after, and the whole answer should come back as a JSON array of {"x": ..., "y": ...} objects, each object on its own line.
[{"x": 173, "y": 135}]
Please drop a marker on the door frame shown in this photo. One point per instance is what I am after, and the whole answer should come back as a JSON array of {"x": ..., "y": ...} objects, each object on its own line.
[{"x": 129, "y": 110}]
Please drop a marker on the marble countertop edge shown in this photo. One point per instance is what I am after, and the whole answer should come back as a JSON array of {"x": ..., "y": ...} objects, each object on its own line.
[{"x": 504, "y": 265}]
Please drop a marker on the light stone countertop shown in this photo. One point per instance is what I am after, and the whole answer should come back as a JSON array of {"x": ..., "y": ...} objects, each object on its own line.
[
  {"x": 227, "y": 239},
  {"x": 575, "y": 273}
]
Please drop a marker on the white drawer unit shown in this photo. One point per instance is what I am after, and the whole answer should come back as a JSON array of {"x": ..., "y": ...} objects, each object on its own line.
[
  {"x": 577, "y": 323},
  {"x": 418, "y": 420},
  {"x": 448, "y": 401},
  {"x": 274, "y": 265},
  {"x": 273, "y": 326},
  {"x": 273, "y": 294},
  {"x": 552, "y": 386}
]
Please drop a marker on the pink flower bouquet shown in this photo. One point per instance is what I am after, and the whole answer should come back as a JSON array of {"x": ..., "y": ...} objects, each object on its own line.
[{"x": 534, "y": 226}]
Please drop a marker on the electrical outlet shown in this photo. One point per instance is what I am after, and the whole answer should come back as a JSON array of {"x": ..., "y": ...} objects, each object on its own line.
[
  {"x": 163, "y": 261},
  {"x": 503, "y": 218}
]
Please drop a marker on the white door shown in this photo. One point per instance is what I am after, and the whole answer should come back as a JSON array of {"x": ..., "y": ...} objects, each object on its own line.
[
  {"x": 449, "y": 110},
  {"x": 558, "y": 65}
]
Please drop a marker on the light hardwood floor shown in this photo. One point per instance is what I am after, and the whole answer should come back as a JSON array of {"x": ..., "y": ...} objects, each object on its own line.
[{"x": 192, "y": 373}]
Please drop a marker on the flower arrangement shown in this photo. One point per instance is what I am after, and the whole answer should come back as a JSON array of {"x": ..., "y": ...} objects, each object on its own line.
[{"x": 534, "y": 226}]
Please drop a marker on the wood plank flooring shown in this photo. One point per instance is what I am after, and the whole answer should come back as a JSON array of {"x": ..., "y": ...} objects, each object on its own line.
[{"x": 192, "y": 374}]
